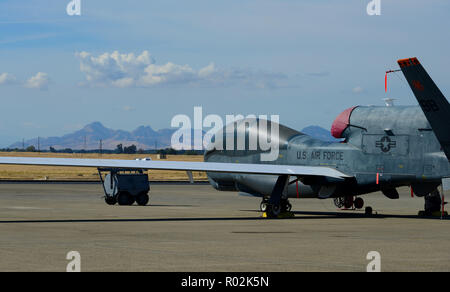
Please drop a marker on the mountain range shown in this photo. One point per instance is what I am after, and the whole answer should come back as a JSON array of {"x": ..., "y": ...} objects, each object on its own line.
[{"x": 143, "y": 137}]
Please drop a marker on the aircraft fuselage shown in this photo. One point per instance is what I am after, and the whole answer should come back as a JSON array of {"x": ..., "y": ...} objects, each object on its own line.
[{"x": 383, "y": 148}]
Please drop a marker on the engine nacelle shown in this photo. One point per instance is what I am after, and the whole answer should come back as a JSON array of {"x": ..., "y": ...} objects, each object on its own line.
[{"x": 221, "y": 183}]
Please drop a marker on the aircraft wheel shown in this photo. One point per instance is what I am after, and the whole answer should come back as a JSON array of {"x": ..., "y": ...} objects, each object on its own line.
[
  {"x": 359, "y": 203},
  {"x": 339, "y": 202},
  {"x": 263, "y": 206},
  {"x": 142, "y": 199},
  {"x": 273, "y": 211},
  {"x": 125, "y": 199},
  {"x": 111, "y": 200},
  {"x": 348, "y": 203},
  {"x": 368, "y": 211},
  {"x": 287, "y": 207}
]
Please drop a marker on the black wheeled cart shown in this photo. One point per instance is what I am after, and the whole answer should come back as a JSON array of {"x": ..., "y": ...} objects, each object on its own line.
[{"x": 124, "y": 186}]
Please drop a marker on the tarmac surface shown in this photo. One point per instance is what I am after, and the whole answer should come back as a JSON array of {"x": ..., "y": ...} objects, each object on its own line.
[{"x": 195, "y": 228}]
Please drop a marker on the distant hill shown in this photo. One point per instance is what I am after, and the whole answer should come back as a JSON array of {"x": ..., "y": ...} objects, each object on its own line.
[
  {"x": 319, "y": 133},
  {"x": 143, "y": 137}
]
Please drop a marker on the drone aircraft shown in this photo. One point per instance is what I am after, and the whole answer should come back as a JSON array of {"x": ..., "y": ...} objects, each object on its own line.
[{"x": 382, "y": 148}]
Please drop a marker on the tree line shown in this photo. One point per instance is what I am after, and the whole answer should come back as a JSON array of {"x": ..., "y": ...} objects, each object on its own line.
[{"x": 120, "y": 149}]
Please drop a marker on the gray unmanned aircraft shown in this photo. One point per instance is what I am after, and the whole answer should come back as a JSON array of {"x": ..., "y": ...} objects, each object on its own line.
[{"x": 382, "y": 148}]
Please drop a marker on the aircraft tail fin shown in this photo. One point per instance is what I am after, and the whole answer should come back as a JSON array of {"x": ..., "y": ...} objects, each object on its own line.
[{"x": 433, "y": 103}]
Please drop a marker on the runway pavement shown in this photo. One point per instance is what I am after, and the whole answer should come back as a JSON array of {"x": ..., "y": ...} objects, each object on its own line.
[{"x": 195, "y": 228}]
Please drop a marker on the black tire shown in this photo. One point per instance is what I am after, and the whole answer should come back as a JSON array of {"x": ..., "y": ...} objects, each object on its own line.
[
  {"x": 111, "y": 200},
  {"x": 348, "y": 203},
  {"x": 368, "y": 211},
  {"x": 359, "y": 203},
  {"x": 273, "y": 211},
  {"x": 142, "y": 199},
  {"x": 131, "y": 199},
  {"x": 125, "y": 199}
]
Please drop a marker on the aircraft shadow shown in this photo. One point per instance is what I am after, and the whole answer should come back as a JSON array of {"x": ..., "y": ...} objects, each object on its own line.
[
  {"x": 309, "y": 216},
  {"x": 352, "y": 215},
  {"x": 162, "y": 205},
  {"x": 112, "y": 220},
  {"x": 321, "y": 215}
]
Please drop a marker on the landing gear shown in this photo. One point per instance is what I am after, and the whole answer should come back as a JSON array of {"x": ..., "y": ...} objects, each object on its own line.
[
  {"x": 273, "y": 211},
  {"x": 277, "y": 206},
  {"x": 433, "y": 203},
  {"x": 286, "y": 206},
  {"x": 274, "y": 205},
  {"x": 282, "y": 210},
  {"x": 349, "y": 202},
  {"x": 339, "y": 202}
]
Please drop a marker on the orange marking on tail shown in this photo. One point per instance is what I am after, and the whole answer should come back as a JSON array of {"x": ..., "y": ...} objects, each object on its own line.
[
  {"x": 417, "y": 85},
  {"x": 414, "y": 61},
  {"x": 408, "y": 62}
]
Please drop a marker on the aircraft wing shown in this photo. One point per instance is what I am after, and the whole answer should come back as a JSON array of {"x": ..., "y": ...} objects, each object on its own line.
[{"x": 269, "y": 169}]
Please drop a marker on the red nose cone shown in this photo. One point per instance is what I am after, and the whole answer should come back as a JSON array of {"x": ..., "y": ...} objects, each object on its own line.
[{"x": 341, "y": 123}]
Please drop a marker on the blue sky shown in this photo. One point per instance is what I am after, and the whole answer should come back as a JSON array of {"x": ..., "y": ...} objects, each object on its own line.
[{"x": 303, "y": 60}]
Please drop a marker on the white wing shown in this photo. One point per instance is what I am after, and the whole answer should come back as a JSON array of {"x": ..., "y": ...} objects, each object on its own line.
[{"x": 294, "y": 170}]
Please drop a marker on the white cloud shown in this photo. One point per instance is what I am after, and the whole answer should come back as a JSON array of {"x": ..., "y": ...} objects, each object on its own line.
[
  {"x": 38, "y": 81},
  {"x": 128, "y": 108},
  {"x": 6, "y": 79},
  {"x": 358, "y": 90},
  {"x": 319, "y": 74},
  {"x": 128, "y": 70}
]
